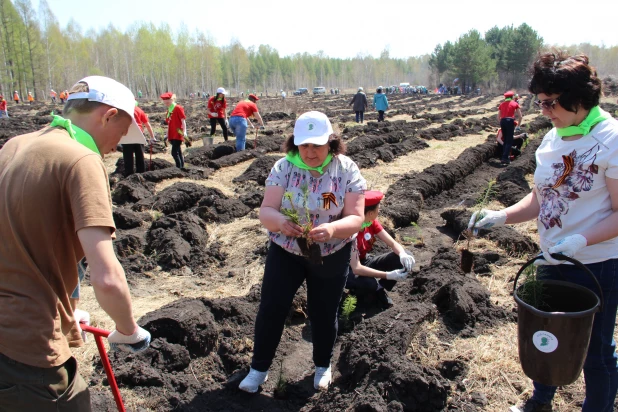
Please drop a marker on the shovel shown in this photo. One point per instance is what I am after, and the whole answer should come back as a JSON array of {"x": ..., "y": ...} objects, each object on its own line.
[{"x": 99, "y": 334}]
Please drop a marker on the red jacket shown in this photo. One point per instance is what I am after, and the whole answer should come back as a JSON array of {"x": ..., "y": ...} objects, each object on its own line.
[
  {"x": 3, "y": 105},
  {"x": 174, "y": 123},
  {"x": 216, "y": 106}
]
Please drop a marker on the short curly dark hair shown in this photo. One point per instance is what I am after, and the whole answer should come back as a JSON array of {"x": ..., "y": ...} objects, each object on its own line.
[
  {"x": 571, "y": 77},
  {"x": 337, "y": 146}
]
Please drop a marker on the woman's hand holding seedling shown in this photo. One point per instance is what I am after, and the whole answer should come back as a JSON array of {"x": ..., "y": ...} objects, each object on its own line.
[
  {"x": 289, "y": 228},
  {"x": 485, "y": 219},
  {"x": 322, "y": 233}
]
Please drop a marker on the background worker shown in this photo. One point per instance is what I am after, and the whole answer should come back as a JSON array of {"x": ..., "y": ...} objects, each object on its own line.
[
  {"x": 518, "y": 142},
  {"x": 377, "y": 274},
  {"x": 507, "y": 111},
  {"x": 4, "y": 112},
  {"x": 359, "y": 105},
  {"x": 30, "y": 98},
  {"x": 53, "y": 96},
  {"x": 217, "y": 106},
  {"x": 239, "y": 118},
  {"x": 380, "y": 103},
  {"x": 176, "y": 127},
  {"x": 16, "y": 97},
  {"x": 136, "y": 149},
  {"x": 60, "y": 167}
]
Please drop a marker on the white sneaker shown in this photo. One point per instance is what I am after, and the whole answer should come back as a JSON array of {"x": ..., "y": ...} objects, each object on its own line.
[
  {"x": 253, "y": 380},
  {"x": 322, "y": 378}
]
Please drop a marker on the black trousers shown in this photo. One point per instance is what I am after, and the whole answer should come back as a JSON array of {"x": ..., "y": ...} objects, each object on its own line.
[
  {"x": 283, "y": 275},
  {"x": 385, "y": 263},
  {"x": 360, "y": 116},
  {"x": 507, "y": 125},
  {"x": 177, "y": 153},
  {"x": 380, "y": 115},
  {"x": 128, "y": 150},
  {"x": 213, "y": 126}
]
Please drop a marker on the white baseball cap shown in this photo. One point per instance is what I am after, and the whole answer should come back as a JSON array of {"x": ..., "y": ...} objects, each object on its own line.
[
  {"x": 221, "y": 90},
  {"x": 312, "y": 128},
  {"x": 112, "y": 93}
]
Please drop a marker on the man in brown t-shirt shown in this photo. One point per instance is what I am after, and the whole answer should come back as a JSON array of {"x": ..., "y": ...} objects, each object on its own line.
[{"x": 55, "y": 208}]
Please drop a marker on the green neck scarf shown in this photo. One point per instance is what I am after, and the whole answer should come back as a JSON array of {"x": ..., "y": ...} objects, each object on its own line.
[
  {"x": 296, "y": 160},
  {"x": 170, "y": 110},
  {"x": 595, "y": 116},
  {"x": 76, "y": 133},
  {"x": 365, "y": 225},
  {"x": 508, "y": 100}
]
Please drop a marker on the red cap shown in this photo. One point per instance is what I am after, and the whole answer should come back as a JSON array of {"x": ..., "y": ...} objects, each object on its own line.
[
  {"x": 373, "y": 197},
  {"x": 166, "y": 96},
  {"x": 508, "y": 94},
  {"x": 254, "y": 97}
]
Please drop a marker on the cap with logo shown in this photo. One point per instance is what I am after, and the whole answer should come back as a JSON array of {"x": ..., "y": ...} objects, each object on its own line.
[
  {"x": 312, "y": 128},
  {"x": 112, "y": 93}
]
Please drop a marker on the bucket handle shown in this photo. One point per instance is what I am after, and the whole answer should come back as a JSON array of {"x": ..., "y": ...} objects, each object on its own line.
[{"x": 559, "y": 256}]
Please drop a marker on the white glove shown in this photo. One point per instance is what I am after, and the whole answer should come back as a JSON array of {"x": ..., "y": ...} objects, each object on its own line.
[
  {"x": 214, "y": 114},
  {"x": 137, "y": 342},
  {"x": 486, "y": 219},
  {"x": 227, "y": 123},
  {"x": 407, "y": 260},
  {"x": 568, "y": 246},
  {"x": 399, "y": 274},
  {"x": 81, "y": 316}
]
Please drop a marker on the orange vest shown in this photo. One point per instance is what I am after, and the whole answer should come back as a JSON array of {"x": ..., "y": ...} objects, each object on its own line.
[{"x": 15, "y": 96}]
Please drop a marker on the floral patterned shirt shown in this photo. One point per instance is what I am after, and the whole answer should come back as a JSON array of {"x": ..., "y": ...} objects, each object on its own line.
[
  {"x": 319, "y": 198},
  {"x": 569, "y": 181}
]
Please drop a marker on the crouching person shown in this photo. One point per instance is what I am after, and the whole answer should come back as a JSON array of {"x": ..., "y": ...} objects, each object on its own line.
[
  {"x": 61, "y": 168},
  {"x": 377, "y": 274}
]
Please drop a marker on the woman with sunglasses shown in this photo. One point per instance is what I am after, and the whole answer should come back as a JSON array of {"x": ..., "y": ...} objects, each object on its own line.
[{"x": 575, "y": 202}]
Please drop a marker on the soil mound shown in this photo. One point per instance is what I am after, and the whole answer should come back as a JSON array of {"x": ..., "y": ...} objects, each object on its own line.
[
  {"x": 132, "y": 189},
  {"x": 258, "y": 171},
  {"x": 178, "y": 197}
]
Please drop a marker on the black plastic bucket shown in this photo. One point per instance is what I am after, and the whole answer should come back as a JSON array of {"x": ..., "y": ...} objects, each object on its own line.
[{"x": 553, "y": 343}]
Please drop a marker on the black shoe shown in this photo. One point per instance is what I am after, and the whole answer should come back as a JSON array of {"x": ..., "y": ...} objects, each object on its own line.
[
  {"x": 505, "y": 162},
  {"x": 383, "y": 299},
  {"x": 532, "y": 406}
]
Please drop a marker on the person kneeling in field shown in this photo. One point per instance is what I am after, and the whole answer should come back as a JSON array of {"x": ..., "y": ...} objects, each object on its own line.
[
  {"x": 377, "y": 274},
  {"x": 518, "y": 141}
]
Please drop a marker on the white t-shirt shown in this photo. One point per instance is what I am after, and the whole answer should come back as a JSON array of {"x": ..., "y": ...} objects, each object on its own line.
[
  {"x": 325, "y": 198},
  {"x": 581, "y": 200}
]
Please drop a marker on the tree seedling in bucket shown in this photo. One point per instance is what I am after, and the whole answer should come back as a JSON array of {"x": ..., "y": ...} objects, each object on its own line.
[
  {"x": 310, "y": 249},
  {"x": 467, "y": 257},
  {"x": 531, "y": 290}
]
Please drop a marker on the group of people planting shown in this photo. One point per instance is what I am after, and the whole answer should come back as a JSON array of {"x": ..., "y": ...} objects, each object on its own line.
[{"x": 321, "y": 221}]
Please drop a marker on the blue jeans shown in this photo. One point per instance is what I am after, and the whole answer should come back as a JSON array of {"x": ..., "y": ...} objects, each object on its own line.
[
  {"x": 600, "y": 369},
  {"x": 4, "y": 113},
  {"x": 238, "y": 124}
]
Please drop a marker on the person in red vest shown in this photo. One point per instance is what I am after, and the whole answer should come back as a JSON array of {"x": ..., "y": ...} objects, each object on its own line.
[
  {"x": 238, "y": 120},
  {"x": 176, "y": 127},
  {"x": 507, "y": 111},
  {"x": 216, "y": 112},
  {"x": 129, "y": 150},
  {"x": 3, "y": 110}
]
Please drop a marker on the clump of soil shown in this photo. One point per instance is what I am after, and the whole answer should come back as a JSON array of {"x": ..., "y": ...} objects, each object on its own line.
[{"x": 258, "y": 171}]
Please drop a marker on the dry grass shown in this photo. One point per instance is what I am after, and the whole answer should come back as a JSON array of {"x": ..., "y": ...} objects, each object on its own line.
[{"x": 383, "y": 175}]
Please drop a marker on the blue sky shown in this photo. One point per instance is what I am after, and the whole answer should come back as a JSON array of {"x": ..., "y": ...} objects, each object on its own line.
[{"x": 345, "y": 28}]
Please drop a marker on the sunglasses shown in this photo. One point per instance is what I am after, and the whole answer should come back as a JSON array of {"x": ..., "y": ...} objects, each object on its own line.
[{"x": 547, "y": 104}]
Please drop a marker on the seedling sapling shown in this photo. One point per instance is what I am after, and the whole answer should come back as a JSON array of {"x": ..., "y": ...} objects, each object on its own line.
[
  {"x": 467, "y": 257},
  {"x": 310, "y": 249}
]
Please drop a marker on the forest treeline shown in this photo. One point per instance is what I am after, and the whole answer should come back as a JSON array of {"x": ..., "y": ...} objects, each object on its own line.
[{"x": 37, "y": 55}]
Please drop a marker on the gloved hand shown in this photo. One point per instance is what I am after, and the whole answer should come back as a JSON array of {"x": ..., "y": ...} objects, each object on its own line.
[
  {"x": 568, "y": 246},
  {"x": 261, "y": 127},
  {"x": 486, "y": 219},
  {"x": 81, "y": 316},
  {"x": 137, "y": 342},
  {"x": 407, "y": 260},
  {"x": 214, "y": 114},
  {"x": 399, "y": 274},
  {"x": 518, "y": 129}
]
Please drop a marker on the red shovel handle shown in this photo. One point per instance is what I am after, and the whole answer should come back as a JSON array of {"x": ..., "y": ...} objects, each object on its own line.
[{"x": 99, "y": 334}]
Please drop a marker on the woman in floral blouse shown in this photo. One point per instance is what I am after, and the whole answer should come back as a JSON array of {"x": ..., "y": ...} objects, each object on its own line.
[{"x": 313, "y": 208}]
